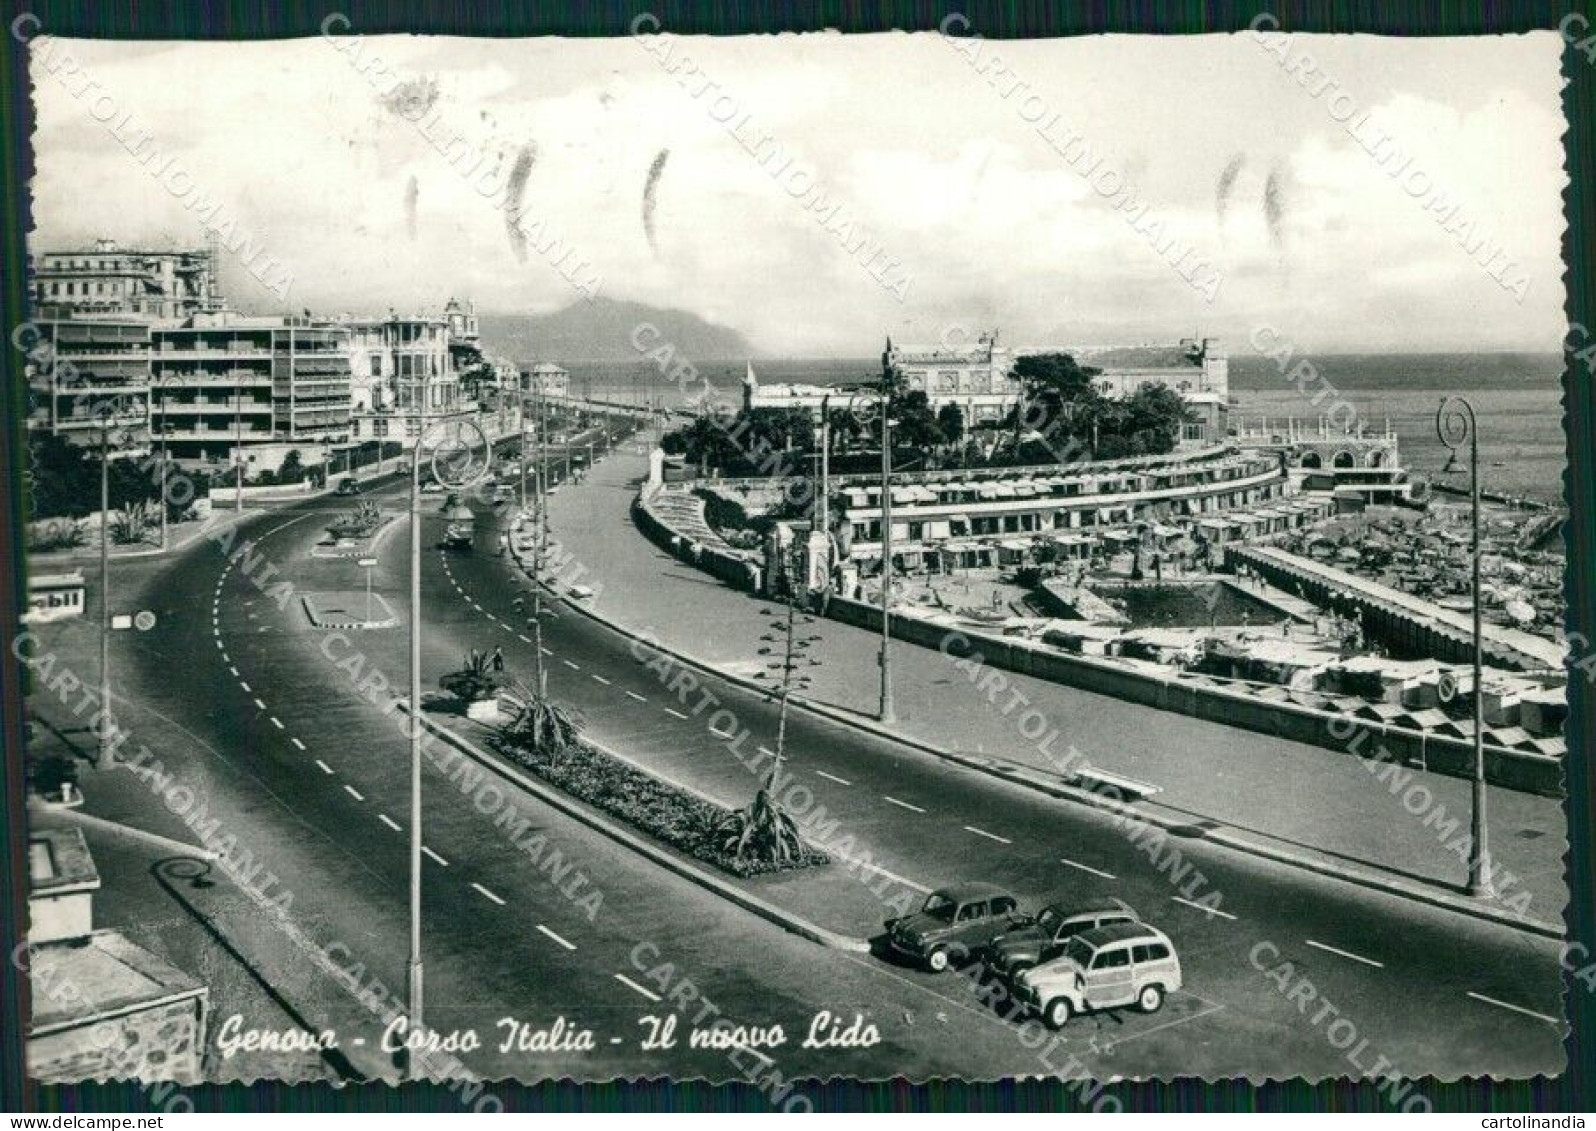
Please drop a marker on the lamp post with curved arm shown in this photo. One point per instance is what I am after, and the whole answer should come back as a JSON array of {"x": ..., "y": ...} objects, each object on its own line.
[
  {"x": 1455, "y": 425},
  {"x": 455, "y": 471}
]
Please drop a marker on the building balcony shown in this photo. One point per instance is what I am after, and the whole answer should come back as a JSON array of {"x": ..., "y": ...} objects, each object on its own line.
[{"x": 163, "y": 408}]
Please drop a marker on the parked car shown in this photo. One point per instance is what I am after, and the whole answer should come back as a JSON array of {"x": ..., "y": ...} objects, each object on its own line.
[
  {"x": 431, "y": 487},
  {"x": 1043, "y": 938},
  {"x": 1118, "y": 965},
  {"x": 955, "y": 921},
  {"x": 348, "y": 487}
]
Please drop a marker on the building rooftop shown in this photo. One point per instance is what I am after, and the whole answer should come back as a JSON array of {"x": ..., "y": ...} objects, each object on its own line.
[
  {"x": 107, "y": 973},
  {"x": 59, "y": 862}
]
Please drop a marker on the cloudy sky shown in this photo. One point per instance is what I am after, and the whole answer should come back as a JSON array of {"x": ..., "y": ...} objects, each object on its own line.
[{"x": 930, "y": 151}]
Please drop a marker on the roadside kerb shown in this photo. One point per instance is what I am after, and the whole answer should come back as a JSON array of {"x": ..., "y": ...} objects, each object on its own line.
[
  {"x": 642, "y": 845},
  {"x": 1032, "y": 780}
]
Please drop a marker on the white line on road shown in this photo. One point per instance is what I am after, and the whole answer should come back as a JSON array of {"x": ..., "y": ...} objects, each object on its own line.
[
  {"x": 989, "y": 836},
  {"x": 297, "y": 743},
  {"x": 434, "y": 856},
  {"x": 231, "y": 668},
  {"x": 644, "y": 990},
  {"x": 556, "y": 938},
  {"x": 600, "y": 679},
  {"x": 1203, "y": 907},
  {"x": 722, "y": 733},
  {"x": 1084, "y": 868},
  {"x": 1345, "y": 954},
  {"x": 487, "y": 893},
  {"x": 259, "y": 704},
  {"x": 902, "y": 804},
  {"x": 678, "y": 714},
  {"x": 389, "y": 821},
  {"x": 278, "y": 723},
  {"x": 547, "y": 651},
  {"x": 523, "y": 638},
  {"x": 570, "y": 665},
  {"x": 636, "y": 696},
  {"x": 244, "y": 685},
  {"x": 353, "y": 792},
  {"x": 833, "y": 777},
  {"x": 1514, "y": 1008},
  {"x": 325, "y": 768}
]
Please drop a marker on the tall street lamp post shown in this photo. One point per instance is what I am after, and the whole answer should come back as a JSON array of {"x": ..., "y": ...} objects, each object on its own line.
[
  {"x": 1455, "y": 425},
  {"x": 887, "y": 715},
  {"x": 105, "y": 749}
]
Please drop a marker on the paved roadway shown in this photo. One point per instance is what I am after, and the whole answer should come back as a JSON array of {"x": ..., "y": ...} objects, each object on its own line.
[{"x": 325, "y": 785}]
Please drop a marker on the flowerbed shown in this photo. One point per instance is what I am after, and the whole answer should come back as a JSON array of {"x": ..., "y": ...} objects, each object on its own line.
[{"x": 681, "y": 820}]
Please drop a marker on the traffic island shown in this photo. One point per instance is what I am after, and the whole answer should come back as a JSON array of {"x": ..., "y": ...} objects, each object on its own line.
[{"x": 348, "y": 609}]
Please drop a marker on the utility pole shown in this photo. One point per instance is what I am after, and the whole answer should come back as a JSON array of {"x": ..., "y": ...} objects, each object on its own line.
[
  {"x": 105, "y": 751},
  {"x": 887, "y": 715},
  {"x": 414, "y": 974},
  {"x": 238, "y": 450},
  {"x": 161, "y": 498}
]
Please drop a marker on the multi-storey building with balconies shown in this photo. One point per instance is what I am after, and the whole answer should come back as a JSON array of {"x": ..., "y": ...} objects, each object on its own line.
[
  {"x": 401, "y": 368},
  {"x": 110, "y": 280},
  {"x": 84, "y": 374},
  {"x": 225, "y": 387}
]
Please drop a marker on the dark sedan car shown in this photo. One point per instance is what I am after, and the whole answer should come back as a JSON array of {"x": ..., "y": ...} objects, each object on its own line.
[
  {"x": 955, "y": 922},
  {"x": 1044, "y": 937}
]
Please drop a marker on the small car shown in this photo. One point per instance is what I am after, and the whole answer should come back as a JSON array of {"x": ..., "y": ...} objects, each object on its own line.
[
  {"x": 1043, "y": 938},
  {"x": 1121, "y": 964},
  {"x": 431, "y": 487},
  {"x": 955, "y": 921},
  {"x": 581, "y": 592},
  {"x": 348, "y": 487}
]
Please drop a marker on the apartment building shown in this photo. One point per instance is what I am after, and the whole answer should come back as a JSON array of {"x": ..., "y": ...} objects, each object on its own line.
[
  {"x": 83, "y": 373},
  {"x": 106, "y": 279},
  {"x": 225, "y": 386},
  {"x": 401, "y": 368}
]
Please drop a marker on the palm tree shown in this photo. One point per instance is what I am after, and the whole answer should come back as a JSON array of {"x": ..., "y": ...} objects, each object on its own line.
[
  {"x": 541, "y": 725},
  {"x": 474, "y": 679}
]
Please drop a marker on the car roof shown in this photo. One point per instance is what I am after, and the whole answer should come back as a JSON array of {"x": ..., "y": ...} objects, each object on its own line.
[
  {"x": 1086, "y": 911},
  {"x": 969, "y": 893},
  {"x": 1121, "y": 932}
]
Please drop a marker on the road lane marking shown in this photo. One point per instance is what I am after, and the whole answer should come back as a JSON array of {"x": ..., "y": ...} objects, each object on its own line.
[
  {"x": 434, "y": 856},
  {"x": 1203, "y": 907},
  {"x": 278, "y": 723},
  {"x": 570, "y": 665},
  {"x": 1085, "y": 868},
  {"x": 245, "y": 686},
  {"x": 989, "y": 836},
  {"x": 523, "y": 638},
  {"x": 722, "y": 733},
  {"x": 487, "y": 893},
  {"x": 353, "y": 792},
  {"x": 902, "y": 804},
  {"x": 230, "y": 667},
  {"x": 297, "y": 743},
  {"x": 226, "y": 659},
  {"x": 259, "y": 704},
  {"x": 600, "y": 679},
  {"x": 325, "y": 768},
  {"x": 678, "y": 714},
  {"x": 556, "y": 938},
  {"x": 636, "y": 696},
  {"x": 1514, "y": 1008},
  {"x": 644, "y": 990},
  {"x": 547, "y": 651},
  {"x": 1345, "y": 954},
  {"x": 389, "y": 821},
  {"x": 833, "y": 777}
]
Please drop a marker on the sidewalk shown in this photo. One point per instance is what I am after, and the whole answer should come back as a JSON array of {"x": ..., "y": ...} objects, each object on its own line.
[{"x": 1290, "y": 798}]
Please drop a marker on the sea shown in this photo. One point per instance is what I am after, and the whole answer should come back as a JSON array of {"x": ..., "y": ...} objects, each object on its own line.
[{"x": 1517, "y": 398}]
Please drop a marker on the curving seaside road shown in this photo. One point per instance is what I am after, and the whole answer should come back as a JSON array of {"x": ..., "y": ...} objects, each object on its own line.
[{"x": 316, "y": 776}]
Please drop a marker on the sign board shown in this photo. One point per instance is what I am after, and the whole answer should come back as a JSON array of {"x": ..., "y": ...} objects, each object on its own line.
[
  {"x": 121, "y": 620},
  {"x": 144, "y": 620},
  {"x": 367, "y": 562}
]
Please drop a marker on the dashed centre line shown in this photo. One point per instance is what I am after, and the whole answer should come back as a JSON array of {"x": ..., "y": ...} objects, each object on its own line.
[
  {"x": 672, "y": 711},
  {"x": 353, "y": 792},
  {"x": 902, "y": 804},
  {"x": 259, "y": 704},
  {"x": 1514, "y": 1008},
  {"x": 487, "y": 894},
  {"x": 434, "y": 856},
  {"x": 556, "y": 938},
  {"x": 389, "y": 821},
  {"x": 644, "y": 990},
  {"x": 325, "y": 768},
  {"x": 1086, "y": 868},
  {"x": 833, "y": 777},
  {"x": 278, "y": 723},
  {"x": 1203, "y": 907},
  {"x": 297, "y": 743},
  {"x": 598, "y": 678},
  {"x": 570, "y": 665},
  {"x": 989, "y": 836},
  {"x": 636, "y": 696},
  {"x": 1345, "y": 954}
]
